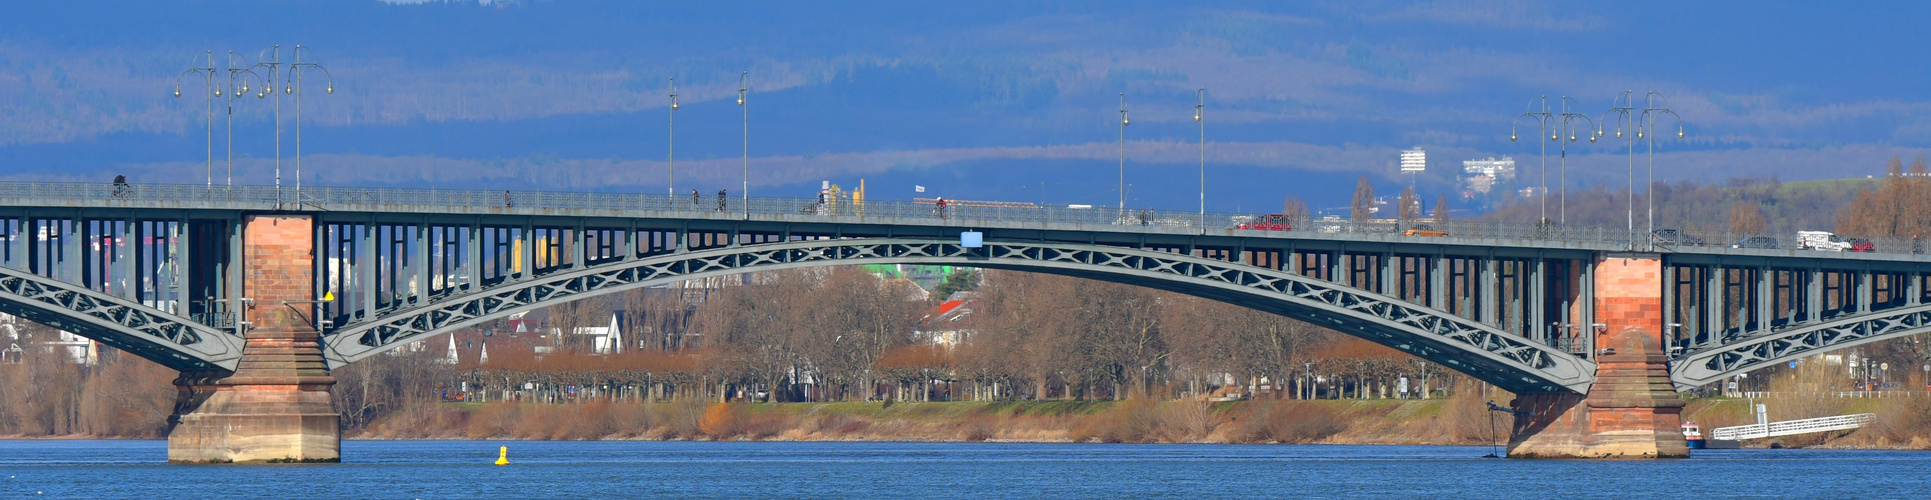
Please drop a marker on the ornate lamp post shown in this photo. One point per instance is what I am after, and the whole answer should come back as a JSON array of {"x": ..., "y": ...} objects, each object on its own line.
[
  {"x": 1622, "y": 108},
  {"x": 271, "y": 58},
  {"x": 671, "y": 161},
  {"x": 744, "y": 90},
  {"x": 208, "y": 76},
  {"x": 294, "y": 80},
  {"x": 1562, "y": 163},
  {"x": 238, "y": 74},
  {"x": 1200, "y": 112},
  {"x": 1542, "y": 121},
  {"x": 1654, "y": 105},
  {"x": 1123, "y": 123}
]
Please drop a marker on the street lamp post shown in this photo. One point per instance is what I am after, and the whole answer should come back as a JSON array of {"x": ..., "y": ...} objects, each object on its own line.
[
  {"x": 238, "y": 75},
  {"x": 1562, "y": 163},
  {"x": 1654, "y": 104},
  {"x": 671, "y": 161},
  {"x": 1123, "y": 122},
  {"x": 744, "y": 90},
  {"x": 1542, "y": 119},
  {"x": 208, "y": 76},
  {"x": 263, "y": 59},
  {"x": 1623, "y": 109},
  {"x": 295, "y": 87},
  {"x": 1199, "y": 112}
]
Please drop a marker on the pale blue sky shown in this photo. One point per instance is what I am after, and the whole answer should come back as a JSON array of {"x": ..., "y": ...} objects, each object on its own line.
[{"x": 974, "y": 102}]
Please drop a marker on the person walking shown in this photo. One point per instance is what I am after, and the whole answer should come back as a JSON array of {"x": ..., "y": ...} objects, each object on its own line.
[
  {"x": 695, "y": 200},
  {"x": 506, "y": 200},
  {"x": 721, "y": 196}
]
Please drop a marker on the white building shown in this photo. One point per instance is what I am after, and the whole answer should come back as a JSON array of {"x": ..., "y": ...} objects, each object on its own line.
[
  {"x": 1501, "y": 170},
  {"x": 1414, "y": 161}
]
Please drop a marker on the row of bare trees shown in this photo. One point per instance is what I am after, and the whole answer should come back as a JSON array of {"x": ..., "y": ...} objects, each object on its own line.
[{"x": 841, "y": 333}]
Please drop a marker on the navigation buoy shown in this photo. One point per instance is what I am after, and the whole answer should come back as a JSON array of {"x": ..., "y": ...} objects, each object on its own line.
[{"x": 503, "y": 456}]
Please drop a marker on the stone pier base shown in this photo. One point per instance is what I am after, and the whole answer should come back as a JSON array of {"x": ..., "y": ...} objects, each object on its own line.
[
  {"x": 276, "y": 406},
  {"x": 1631, "y": 412}
]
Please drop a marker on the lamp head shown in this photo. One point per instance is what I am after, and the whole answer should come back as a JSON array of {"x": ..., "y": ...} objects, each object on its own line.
[
  {"x": 1639, "y": 133},
  {"x": 330, "y": 89},
  {"x": 217, "y": 91},
  {"x": 288, "y": 90},
  {"x": 1679, "y": 131},
  {"x": 1619, "y": 132},
  {"x": 1511, "y": 135},
  {"x": 177, "y": 91},
  {"x": 1196, "y": 115},
  {"x": 244, "y": 87}
]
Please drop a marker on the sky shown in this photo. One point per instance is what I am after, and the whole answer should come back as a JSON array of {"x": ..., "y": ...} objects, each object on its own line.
[{"x": 1012, "y": 101}]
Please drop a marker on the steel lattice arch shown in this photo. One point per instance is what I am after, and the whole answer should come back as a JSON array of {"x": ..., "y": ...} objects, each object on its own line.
[
  {"x": 1484, "y": 352},
  {"x": 159, "y": 270}
]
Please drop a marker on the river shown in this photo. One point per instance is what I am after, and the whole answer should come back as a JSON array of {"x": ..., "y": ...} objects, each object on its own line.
[{"x": 631, "y": 469}]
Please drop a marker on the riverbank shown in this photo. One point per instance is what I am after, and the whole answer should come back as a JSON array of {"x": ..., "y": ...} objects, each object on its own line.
[{"x": 1902, "y": 423}]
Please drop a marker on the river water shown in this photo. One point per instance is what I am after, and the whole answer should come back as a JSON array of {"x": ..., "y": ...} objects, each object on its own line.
[{"x": 462, "y": 469}]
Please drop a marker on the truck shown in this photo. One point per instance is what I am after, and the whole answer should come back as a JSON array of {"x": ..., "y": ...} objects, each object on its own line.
[{"x": 1822, "y": 240}]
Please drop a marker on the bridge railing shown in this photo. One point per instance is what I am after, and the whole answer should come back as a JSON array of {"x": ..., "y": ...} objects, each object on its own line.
[{"x": 247, "y": 197}]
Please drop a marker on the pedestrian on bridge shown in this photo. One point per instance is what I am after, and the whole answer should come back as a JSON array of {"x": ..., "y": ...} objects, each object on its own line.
[
  {"x": 695, "y": 200},
  {"x": 721, "y": 196},
  {"x": 506, "y": 199}
]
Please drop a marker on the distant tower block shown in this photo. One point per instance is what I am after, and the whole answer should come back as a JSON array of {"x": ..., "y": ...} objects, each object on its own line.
[{"x": 1414, "y": 161}]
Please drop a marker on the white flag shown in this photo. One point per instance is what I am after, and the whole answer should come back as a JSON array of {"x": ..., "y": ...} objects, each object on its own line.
[{"x": 918, "y": 188}]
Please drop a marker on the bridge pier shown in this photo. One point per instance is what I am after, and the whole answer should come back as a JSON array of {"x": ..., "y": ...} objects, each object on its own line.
[
  {"x": 276, "y": 405},
  {"x": 1632, "y": 410}
]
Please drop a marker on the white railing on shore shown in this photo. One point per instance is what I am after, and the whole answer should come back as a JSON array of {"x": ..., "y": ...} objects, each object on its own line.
[
  {"x": 1790, "y": 427},
  {"x": 1840, "y": 394}
]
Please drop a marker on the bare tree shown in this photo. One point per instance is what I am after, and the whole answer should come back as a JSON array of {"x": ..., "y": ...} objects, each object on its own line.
[
  {"x": 1746, "y": 218},
  {"x": 1363, "y": 198},
  {"x": 1410, "y": 205},
  {"x": 1441, "y": 211}
]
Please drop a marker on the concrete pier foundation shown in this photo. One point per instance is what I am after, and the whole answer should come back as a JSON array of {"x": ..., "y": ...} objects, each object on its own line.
[
  {"x": 275, "y": 407},
  {"x": 1632, "y": 411}
]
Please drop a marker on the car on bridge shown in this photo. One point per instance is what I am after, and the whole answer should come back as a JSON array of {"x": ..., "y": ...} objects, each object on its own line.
[
  {"x": 1269, "y": 222},
  {"x": 1757, "y": 242},
  {"x": 1826, "y": 241},
  {"x": 1674, "y": 238},
  {"x": 1424, "y": 230}
]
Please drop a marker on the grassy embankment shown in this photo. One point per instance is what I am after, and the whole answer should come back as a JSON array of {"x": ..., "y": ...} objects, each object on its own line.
[
  {"x": 1437, "y": 421},
  {"x": 1902, "y": 423}
]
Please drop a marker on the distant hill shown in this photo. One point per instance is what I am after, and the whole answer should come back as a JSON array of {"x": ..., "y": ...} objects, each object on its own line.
[{"x": 1789, "y": 206}]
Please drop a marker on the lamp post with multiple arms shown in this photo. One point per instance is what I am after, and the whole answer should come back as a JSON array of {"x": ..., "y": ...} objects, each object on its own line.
[
  {"x": 1568, "y": 128},
  {"x": 671, "y": 161},
  {"x": 1542, "y": 120},
  {"x": 208, "y": 76},
  {"x": 271, "y": 58},
  {"x": 1654, "y": 105},
  {"x": 744, "y": 90},
  {"x": 1123, "y": 122},
  {"x": 294, "y": 86},
  {"x": 238, "y": 75},
  {"x": 1622, "y": 109},
  {"x": 1199, "y": 113}
]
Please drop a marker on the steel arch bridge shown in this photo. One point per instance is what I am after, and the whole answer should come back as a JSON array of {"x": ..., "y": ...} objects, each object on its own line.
[
  {"x": 1482, "y": 351},
  {"x": 160, "y": 272}
]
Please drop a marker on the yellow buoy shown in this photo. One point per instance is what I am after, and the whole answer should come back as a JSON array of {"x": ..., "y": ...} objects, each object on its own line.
[{"x": 503, "y": 456}]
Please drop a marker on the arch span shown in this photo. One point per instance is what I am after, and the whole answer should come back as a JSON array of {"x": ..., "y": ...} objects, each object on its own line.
[
  {"x": 1743, "y": 355},
  {"x": 1487, "y": 353},
  {"x": 170, "y": 340}
]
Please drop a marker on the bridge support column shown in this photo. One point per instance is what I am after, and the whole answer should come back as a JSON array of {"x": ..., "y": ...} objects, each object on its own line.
[
  {"x": 1632, "y": 410},
  {"x": 276, "y": 406}
]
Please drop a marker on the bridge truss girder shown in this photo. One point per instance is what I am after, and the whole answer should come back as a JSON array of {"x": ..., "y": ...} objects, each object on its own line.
[
  {"x": 164, "y": 338},
  {"x": 1743, "y": 355},
  {"x": 1484, "y": 352}
]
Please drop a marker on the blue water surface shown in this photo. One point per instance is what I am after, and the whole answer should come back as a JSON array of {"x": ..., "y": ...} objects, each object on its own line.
[{"x": 462, "y": 469}]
